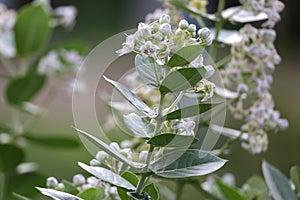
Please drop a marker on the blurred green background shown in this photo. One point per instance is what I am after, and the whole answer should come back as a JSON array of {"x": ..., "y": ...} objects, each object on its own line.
[{"x": 98, "y": 20}]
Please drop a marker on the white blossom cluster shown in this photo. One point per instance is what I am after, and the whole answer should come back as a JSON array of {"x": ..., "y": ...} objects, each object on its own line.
[
  {"x": 159, "y": 40},
  {"x": 249, "y": 72},
  {"x": 271, "y": 7},
  {"x": 59, "y": 61},
  {"x": 82, "y": 184},
  {"x": 61, "y": 16},
  {"x": 7, "y": 39}
]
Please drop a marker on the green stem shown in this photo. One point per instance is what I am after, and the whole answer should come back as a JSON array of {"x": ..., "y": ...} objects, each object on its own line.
[
  {"x": 218, "y": 26},
  {"x": 2, "y": 186},
  {"x": 156, "y": 73},
  {"x": 145, "y": 175},
  {"x": 228, "y": 145},
  {"x": 175, "y": 102},
  {"x": 141, "y": 183},
  {"x": 179, "y": 188},
  {"x": 223, "y": 61},
  {"x": 8, "y": 65},
  {"x": 200, "y": 21}
]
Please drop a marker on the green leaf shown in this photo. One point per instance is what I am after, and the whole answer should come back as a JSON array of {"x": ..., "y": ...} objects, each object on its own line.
[
  {"x": 295, "y": 177},
  {"x": 70, "y": 188},
  {"x": 57, "y": 195},
  {"x": 92, "y": 194},
  {"x": 24, "y": 183},
  {"x": 132, "y": 98},
  {"x": 256, "y": 188},
  {"x": 108, "y": 176},
  {"x": 21, "y": 197},
  {"x": 133, "y": 179},
  {"x": 181, "y": 79},
  {"x": 32, "y": 29},
  {"x": 138, "y": 126},
  {"x": 189, "y": 111},
  {"x": 22, "y": 89},
  {"x": 146, "y": 68},
  {"x": 190, "y": 9},
  {"x": 152, "y": 191},
  {"x": 186, "y": 163},
  {"x": 172, "y": 140},
  {"x": 278, "y": 184},
  {"x": 141, "y": 196},
  {"x": 229, "y": 192},
  {"x": 10, "y": 157},
  {"x": 185, "y": 55},
  {"x": 53, "y": 141},
  {"x": 103, "y": 146}
]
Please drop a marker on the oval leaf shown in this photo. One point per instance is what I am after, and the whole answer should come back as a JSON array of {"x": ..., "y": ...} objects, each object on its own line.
[
  {"x": 57, "y": 195},
  {"x": 186, "y": 163},
  {"x": 58, "y": 142},
  {"x": 278, "y": 184},
  {"x": 172, "y": 140},
  {"x": 133, "y": 179},
  {"x": 138, "y": 126},
  {"x": 108, "y": 176},
  {"x": 190, "y": 9},
  {"x": 181, "y": 79},
  {"x": 103, "y": 146},
  {"x": 185, "y": 55},
  {"x": 32, "y": 29},
  {"x": 295, "y": 176},
  {"x": 23, "y": 89},
  {"x": 240, "y": 15},
  {"x": 256, "y": 188},
  {"x": 152, "y": 191},
  {"x": 190, "y": 111},
  {"x": 146, "y": 68},
  {"x": 70, "y": 188},
  {"x": 92, "y": 194},
  {"x": 132, "y": 98},
  {"x": 24, "y": 183},
  {"x": 229, "y": 192},
  {"x": 10, "y": 157}
]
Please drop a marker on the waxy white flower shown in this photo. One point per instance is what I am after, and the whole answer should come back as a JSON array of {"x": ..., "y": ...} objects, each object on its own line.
[{"x": 65, "y": 16}]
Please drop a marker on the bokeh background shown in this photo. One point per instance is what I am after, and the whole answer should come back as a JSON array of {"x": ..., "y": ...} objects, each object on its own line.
[{"x": 98, "y": 20}]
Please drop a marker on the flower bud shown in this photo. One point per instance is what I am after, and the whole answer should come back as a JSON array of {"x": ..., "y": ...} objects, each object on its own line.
[
  {"x": 143, "y": 156},
  {"x": 165, "y": 29},
  {"x": 60, "y": 187},
  {"x": 94, "y": 162},
  {"x": 78, "y": 180},
  {"x": 52, "y": 182},
  {"x": 183, "y": 24},
  {"x": 101, "y": 156},
  {"x": 204, "y": 33},
  {"x": 115, "y": 146},
  {"x": 192, "y": 28},
  {"x": 164, "y": 19}
]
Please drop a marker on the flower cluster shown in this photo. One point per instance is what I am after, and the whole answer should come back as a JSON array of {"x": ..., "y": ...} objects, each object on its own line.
[
  {"x": 7, "y": 40},
  {"x": 61, "y": 16},
  {"x": 250, "y": 74},
  {"x": 271, "y": 7},
  {"x": 81, "y": 184},
  {"x": 159, "y": 39}
]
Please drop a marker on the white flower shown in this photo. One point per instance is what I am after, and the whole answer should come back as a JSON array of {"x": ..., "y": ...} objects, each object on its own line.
[
  {"x": 7, "y": 43},
  {"x": 78, "y": 179},
  {"x": 50, "y": 64},
  {"x": 65, "y": 15},
  {"x": 101, "y": 156},
  {"x": 52, "y": 182},
  {"x": 143, "y": 156}
]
